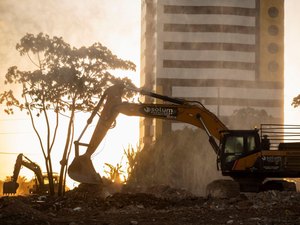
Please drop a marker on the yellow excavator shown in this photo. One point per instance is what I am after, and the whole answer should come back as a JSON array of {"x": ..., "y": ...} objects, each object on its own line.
[
  {"x": 40, "y": 184},
  {"x": 249, "y": 157}
]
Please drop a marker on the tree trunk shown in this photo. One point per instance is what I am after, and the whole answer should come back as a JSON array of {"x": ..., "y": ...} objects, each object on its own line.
[{"x": 63, "y": 161}]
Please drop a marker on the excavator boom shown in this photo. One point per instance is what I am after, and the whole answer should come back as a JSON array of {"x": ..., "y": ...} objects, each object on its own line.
[{"x": 194, "y": 113}]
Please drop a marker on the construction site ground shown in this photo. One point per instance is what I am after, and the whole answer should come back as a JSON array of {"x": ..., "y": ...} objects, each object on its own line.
[{"x": 154, "y": 205}]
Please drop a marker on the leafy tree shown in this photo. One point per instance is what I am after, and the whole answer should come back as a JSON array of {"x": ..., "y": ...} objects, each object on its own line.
[
  {"x": 296, "y": 101},
  {"x": 114, "y": 172},
  {"x": 24, "y": 186},
  {"x": 65, "y": 80},
  {"x": 131, "y": 155},
  {"x": 249, "y": 118}
]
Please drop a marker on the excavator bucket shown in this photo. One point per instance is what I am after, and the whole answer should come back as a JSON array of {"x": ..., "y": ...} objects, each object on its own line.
[
  {"x": 83, "y": 171},
  {"x": 10, "y": 187}
]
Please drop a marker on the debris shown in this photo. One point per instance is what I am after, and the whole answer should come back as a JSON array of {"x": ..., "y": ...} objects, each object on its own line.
[
  {"x": 77, "y": 209},
  {"x": 159, "y": 204}
]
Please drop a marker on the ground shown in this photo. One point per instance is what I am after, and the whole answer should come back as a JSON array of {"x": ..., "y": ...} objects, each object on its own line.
[{"x": 154, "y": 205}]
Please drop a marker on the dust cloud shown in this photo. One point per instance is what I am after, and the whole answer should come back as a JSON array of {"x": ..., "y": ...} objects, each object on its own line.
[{"x": 182, "y": 159}]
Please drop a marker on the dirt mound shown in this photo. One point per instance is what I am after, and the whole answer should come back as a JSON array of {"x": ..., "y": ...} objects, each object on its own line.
[
  {"x": 155, "y": 205},
  {"x": 16, "y": 210}
]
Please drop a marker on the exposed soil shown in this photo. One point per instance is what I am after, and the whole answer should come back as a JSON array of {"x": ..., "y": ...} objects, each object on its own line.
[{"x": 154, "y": 205}]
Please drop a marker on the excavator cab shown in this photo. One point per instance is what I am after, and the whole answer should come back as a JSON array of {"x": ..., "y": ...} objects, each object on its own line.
[{"x": 236, "y": 144}]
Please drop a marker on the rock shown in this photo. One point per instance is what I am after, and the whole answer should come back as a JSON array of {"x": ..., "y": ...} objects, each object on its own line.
[{"x": 223, "y": 189}]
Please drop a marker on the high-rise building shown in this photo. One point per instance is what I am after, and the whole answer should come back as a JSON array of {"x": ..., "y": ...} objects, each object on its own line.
[{"x": 227, "y": 54}]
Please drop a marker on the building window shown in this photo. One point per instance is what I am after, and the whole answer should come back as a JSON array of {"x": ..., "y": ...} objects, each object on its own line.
[
  {"x": 273, "y": 12},
  {"x": 273, "y": 30},
  {"x": 273, "y": 66},
  {"x": 273, "y": 48}
]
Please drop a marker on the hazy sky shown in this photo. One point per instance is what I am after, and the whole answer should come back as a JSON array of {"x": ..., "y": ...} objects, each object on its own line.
[
  {"x": 292, "y": 59},
  {"x": 114, "y": 23},
  {"x": 81, "y": 23}
]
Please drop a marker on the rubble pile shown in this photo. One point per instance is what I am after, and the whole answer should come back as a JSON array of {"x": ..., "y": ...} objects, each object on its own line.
[{"x": 153, "y": 205}]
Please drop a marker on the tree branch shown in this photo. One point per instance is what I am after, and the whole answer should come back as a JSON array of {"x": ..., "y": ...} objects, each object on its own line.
[
  {"x": 32, "y": 60},
  {"x": 56, "y": 128},
  {"x": 34, "y": 127},
  {"x": 48, "y": 127}
]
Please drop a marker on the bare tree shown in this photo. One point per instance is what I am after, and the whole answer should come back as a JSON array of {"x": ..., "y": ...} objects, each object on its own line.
[{"x": 65, "y": 80}]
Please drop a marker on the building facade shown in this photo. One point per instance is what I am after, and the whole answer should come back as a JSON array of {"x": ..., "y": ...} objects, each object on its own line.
[{"x": 227, "y": 54}]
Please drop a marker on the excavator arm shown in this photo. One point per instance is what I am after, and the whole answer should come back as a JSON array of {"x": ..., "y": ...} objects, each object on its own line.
[
  {"x": 10, "y": 187},
  {"x": 191, "y": 112}
]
